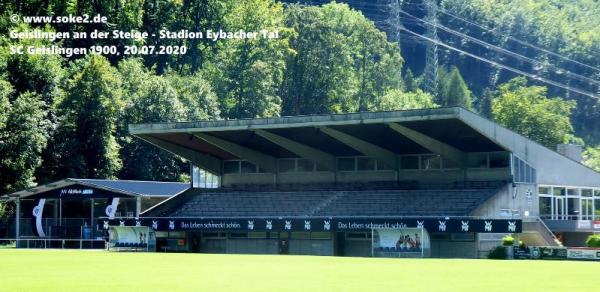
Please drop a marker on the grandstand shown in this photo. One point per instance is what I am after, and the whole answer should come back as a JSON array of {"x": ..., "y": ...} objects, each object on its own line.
[
  {"x": 439, "y": 182},
  {"x": 327, "y": 185}
]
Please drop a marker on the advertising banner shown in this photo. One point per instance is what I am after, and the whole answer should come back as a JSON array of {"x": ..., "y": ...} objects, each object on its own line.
[
  {"x": 549, "y": 253},
  {"x": 400, "y": 242},
  {"x": 583, "y": 254},
  {"x": 131, "y": 238},
  {"x": 438, "y": 225}
]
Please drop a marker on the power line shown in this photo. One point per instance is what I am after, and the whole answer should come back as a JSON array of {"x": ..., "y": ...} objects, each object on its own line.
[
  {"x": 505, "y": 51},
  {"x": 522, "y": 42},
  {"x": 554, "y": 83},
  {"x": 431, "y": 53}
]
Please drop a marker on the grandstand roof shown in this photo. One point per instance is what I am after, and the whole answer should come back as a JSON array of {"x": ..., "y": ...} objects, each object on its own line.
[
  {"x": 123, "y": 187},
  {"x": 451, "y": 132}
]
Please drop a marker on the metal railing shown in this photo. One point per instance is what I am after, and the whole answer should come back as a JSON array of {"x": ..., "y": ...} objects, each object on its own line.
[
  {"x": 545, "y": 231},
  {"x": 569, "y": 217},
  {"x": 56, "y": 243}
]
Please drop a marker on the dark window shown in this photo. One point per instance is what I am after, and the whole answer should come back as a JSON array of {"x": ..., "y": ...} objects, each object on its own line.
[
  {"x": 499, "y": 160},
  {"x": 346, "y": 164},
  {"x": 231, "y": 166},
  {"x": 409, "y": 162},
  {"x": 305, "y": 165},
  {"x": 248, "y": 167},
  {"x": 287, "y": 165},
  {"x": 365, "y": 163},
  {"x": 431, "y": 162},
  {"x": 321, "y": 168},
  {"x": 447, "y": 163},
  {"x": 545, "y": 206},
  {"x": 383, "y": 166},
  {"x": 573, "y": 206},
  {"x": 477, "y": 160}
]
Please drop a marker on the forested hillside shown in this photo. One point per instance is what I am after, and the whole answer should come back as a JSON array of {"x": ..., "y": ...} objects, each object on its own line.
[{"x": 67, "y": 117}]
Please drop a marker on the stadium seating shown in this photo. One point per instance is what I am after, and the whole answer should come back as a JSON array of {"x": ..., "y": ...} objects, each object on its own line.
[
  {"x": 404, "y": 203},
  {"x": 227, "y": 203}
]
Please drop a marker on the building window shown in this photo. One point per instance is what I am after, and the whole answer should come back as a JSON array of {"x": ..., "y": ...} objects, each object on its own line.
[
  {"x": 573, "y": 208},
  {"x": 449, "y": 164},
  {"x": 545, "y": 206},
  {"x": 383, "y": 166},
  {"x": 409, "y": 162},
  {"x": 560, "y": 192},
  {"x": 572, "y": 192},
  {"x": 204, "y": 179},
  {"x": 523, "y": 172},
  {"x": 569, "y": 203},
  {"x": 346, "y": 164},
  {"x": 232, "y": 166},
  {"x": 477, "y": 160},
  {"x": 499, "y": 160},
  {"x": 431, "y": 162},
  {"x": 287, "y": 165},
  {"x": 305, "y": 165},
  {"x": 365, "y": 163},
  {"x": 248, "y": 167}
]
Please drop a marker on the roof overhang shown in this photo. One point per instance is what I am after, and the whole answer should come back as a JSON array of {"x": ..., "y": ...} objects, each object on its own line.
[
  {"x": 51, "y": 188},
  {"x": 323, "y": 134},
  {"x": 451, "y": 131}
]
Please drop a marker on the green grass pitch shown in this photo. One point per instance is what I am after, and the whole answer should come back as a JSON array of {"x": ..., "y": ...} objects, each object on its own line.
[{"x": 69, "y": 270}]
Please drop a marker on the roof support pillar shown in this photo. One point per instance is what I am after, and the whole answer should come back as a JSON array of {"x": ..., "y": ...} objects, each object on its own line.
[
  {"x": 263, "y": 161},
  {"x": 321, "y": 158},
  {"x": 364, "y": 147},
  {"x": 431, "y": 144},
  {"x": 207, "y": 162}
]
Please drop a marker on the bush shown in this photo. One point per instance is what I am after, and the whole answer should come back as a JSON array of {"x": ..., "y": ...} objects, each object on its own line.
[
  {"x": 508, "y": 240},
  {"x": 593, "y": 241},
  {"x": 498, "y": 253}
]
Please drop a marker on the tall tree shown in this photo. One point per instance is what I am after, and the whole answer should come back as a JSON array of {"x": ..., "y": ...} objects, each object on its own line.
[
  {"x": 591, "y": 157},
  {"x": 411, "y": 82},
  {"x": 152, "y": 99},
  {"x": 396, "y": 99},
  {"x": 341, "y": 62},
  {"x": 197, "y": 96},
  {"x": 23, "y": 136},
  {"x": 454, "y": 91},
  {"x": 247, "y": 73},
  {"x": 156, "y": 103},
  {"x": 85, "y": 141},
  {"x": 528, "y": 111}
]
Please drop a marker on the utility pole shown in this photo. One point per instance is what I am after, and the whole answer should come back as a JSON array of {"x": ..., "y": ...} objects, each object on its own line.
[
  {"x": 393, "y": 22},
  {"x": 431, "y": 54}
]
